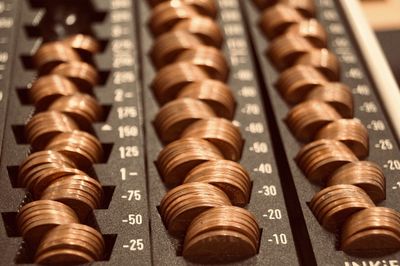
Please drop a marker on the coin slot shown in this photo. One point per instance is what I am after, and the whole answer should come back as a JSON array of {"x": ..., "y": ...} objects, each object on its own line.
[
  {"x": 13, "y": 174},
  {"x": 19, "y": 134},
  {"x": 106, "y": 109},
  {"x": 108, "y": 192},
  {"x": 64, "y": 18},
  {"x": 27, "y": 61},
  {"x": 109, "y": 240},
  {"x": 107, "y": 148},
  {"x": 103, "y": 76},
  {"x": 10, "y": 225},
  {"x": 23, "y": 96},
  {"x": 24, "y": 255}
]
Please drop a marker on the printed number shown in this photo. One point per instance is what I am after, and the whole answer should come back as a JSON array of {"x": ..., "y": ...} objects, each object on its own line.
[
  {"x": 128, "y": 152},
  {"x": 377, "y": 125},
  {"x": 259, "y": 147},
  {"x": 128, "y": 131},
  {"x": 393, "y": 164},
  {"x": 274, "y": 214},
  {"x": 255, "y": 128},
  {"x": 134, "y": 195},
  {"x": 251, "y": 109},
  {"x": 248, "y": 92},
  {"x": 280, "y": 239},
  {"x": 269, "y": 190},
  {"x": 265, "y": 168},
  {"x": 126, "y": 112},
  {"x": 135, "y": 219},
  {"x": 384, "y": 144},
  {"x": 136, "y": 244}
]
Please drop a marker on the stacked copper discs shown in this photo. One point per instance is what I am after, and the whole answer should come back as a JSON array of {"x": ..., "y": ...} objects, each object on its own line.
[
  {"x": 63, "y": 152},
  {"x": 375, "y": 231},
  {"x": 323, "y": 118},
  {"x": 202, "y": 144}
]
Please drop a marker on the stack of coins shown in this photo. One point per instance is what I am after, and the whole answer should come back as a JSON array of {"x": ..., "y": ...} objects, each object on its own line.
[
  {"x": 375, "y": 231},
  {"x": 203, "y": 146},
  {"x": 322, "y": 118},
  {"x": 57, "y": 172}
]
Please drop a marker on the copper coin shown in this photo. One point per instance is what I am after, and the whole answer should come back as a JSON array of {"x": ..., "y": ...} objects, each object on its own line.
[
  {"x": 51, "y": 54},
  {"x": 83, "y": 108},
  {"x": 185, "y": 189},
  {"x": 83, "y": 75},
  {"x": 339, "y": 199},
  {"x": 306, "y": 7},
  {"x": 205, "y": 28},
  {"x": 223, "y": 213},
  {"x": 60, "y": 256},
  {"x": 275, "y": 20},
  {"x": 262, "y": 4},
  {"x": 336, "y": 216},
  {"x": 208, "y": 58},
  {"x": 205, "y": 7},
  {"x": 30, "y": 213},
  {"x": 81, "y": 147},
  {"x": 43, "y": 127},
  {"x": 186, "y": 195},
  {"x": 228, "y": 220},
  {"x": 312, "y": 30},
  {"x": 81, "y": 202},
  {"x": 89, "y": 232},
  {"x": 319, "y": 158},
  {"x": 286, "y": 49},
  {"x": 39, "y": 158},
  {"x": 366, "y": 175},
  {"x": 47, "y": 89},
  {"x": 174, "y": 117},
  {"x": 336, "y": 198},
  {"x": 196, "y": 201},
  {"x": 296, "y": 82},
  {"x": 169, "y": 45},
  {"x": 46, "y": 204},
  {"x": 66, "y": 242},
  {"x": 173, "y": 169},
  {"x": 214, "y": 93},
  {"x": 307, "y": 118},
  {"x": 349, "y": 131},
  {"x": 232, "y": 189},
  {"x": 63, "y": 237},
  {"x": 170, "y": 80},
  {"x": 181, "y": 219},
  {"x": 219, "y": 246},
  {"x": 167, "y": 14},
  {"x": 40, "y": 180},
  {"x": 338, "y": 95},
  {"x": 370, "y": 223},
  {"x": 227, "y": 167},
  {"x": 323, "y": 60},
  {"x": 84, "y": 44},
  {"x": 328, "y": 192},
  {"x": 80, "y": 185},
  {"x": 371, "y": 243},
  {"x": 220, "y": 132},
  {"x": 28, "y": 218},
  {"x": 34, "y": 231}
]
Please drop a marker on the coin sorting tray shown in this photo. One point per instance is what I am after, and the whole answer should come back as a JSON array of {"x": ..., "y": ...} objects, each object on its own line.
[{"x": 158, "y": 132}]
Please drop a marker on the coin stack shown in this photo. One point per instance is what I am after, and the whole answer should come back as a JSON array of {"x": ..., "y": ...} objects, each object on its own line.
[
  {"x": 200, "y": 160},
  {"x": 322, "y": 117},
  {"x": 57, "y": 173}
]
